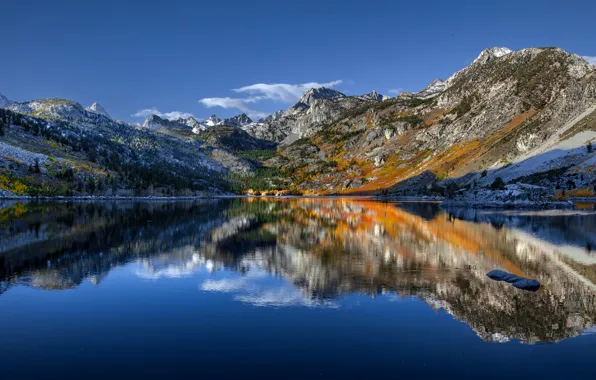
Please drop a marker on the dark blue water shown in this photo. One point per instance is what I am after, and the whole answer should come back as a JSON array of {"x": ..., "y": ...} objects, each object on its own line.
[{"x": 293, "y": 288}]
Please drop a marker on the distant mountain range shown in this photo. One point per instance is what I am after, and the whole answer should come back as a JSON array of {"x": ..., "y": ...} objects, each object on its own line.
[{"x": 527, "y": 115}]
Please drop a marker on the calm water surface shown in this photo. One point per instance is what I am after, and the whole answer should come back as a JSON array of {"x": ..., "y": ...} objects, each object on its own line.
[{"x": 293, "y": 288}]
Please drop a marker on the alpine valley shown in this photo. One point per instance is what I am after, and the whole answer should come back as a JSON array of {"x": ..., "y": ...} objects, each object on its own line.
[{"x": 514, "y": 128}]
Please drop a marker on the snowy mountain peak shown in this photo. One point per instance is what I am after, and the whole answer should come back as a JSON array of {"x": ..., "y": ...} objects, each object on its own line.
[
  {"x": 432, "y": 89},
  {"x": 189, "y": 121},
  {"x": 237, "y": 121},
  {"x": 98, "y": 109},
  {"x": 491, "y": 53},
  {"x": 212, "y": 120},
  {"x": 4, "y": 102}
]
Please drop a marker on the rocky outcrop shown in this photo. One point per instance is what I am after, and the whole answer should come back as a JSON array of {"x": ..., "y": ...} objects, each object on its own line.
[{"x": 237, "y": 121}]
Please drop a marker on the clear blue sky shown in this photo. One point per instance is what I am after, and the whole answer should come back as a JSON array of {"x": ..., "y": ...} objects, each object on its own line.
[{"x": 170, "y": 54}]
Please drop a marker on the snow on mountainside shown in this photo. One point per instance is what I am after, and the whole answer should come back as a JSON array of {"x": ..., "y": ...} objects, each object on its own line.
[
  {"x": 431, "y": 90},
  {"x": 211, "y": 121},
  {"x": 490, "y": 53},
  {"x": 312, "y": 95},
  {"x": 4, "y": 102},
  {"x": 98, "y": 109}
]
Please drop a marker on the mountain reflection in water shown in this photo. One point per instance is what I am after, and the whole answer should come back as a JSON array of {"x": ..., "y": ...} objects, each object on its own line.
[{"x": 324, "y": 249}]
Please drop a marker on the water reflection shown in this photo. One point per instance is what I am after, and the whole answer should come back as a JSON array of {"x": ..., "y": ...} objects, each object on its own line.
[{"x": 324, "y": 249}]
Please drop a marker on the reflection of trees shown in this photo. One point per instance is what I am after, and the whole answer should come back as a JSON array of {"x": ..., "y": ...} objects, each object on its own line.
[
  {"x": 325, "y": 247},
  {"x": 85, "y": 240}
]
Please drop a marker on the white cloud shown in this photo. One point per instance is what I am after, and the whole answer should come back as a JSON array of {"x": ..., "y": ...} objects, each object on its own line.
[
  {"x": 238, "y": 103},
  {"x": 167, "y": 115},
  {"x": 277, "y": 92},
  {"x": 282, "y": 92},
  {"x": 395, "y": 90},
  {"x": 590, "y": 59}
]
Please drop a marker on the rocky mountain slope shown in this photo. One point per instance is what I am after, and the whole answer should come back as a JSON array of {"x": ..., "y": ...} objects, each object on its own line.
[
  {"x": 529, "y": 114},
  {"x": 313, "y": 111},
  {"x": 98, "y": 109}
]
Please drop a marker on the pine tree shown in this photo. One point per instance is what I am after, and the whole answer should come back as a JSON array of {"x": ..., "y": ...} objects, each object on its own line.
[{"x": 2, "y": 126}]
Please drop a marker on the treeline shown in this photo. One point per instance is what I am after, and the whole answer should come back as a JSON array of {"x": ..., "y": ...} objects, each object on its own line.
[{"x": 127, "y": 167}]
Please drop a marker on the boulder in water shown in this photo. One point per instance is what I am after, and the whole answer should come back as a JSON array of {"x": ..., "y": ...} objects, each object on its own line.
[{"x": 517, "y": 281}]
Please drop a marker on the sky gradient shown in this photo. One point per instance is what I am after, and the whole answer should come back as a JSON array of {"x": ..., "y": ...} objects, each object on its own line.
[{"x": 183, "y": 57}]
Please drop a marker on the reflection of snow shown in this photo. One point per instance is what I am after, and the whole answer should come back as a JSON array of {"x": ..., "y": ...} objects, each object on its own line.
[
  {"x": 256, "y": 288},
  {"x": 164, "y": 268},
  {"x": 499, "y": 338}
]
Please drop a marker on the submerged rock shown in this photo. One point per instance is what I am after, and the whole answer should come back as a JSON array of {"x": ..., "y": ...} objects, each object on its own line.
[{"x": 517, "y": 281}]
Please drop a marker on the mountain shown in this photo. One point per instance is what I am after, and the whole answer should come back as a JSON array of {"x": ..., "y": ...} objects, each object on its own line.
[
  {"x": 274, "y": 116},
  {"x": 53, "y": 108},
  {"x": 55, "y": 147},
  {"x": 211, "y": 121},
  {"x": 155, "y": 122},
  {"x": 514, "y": 125},
  {"x": 492, "y": 53},
  {"x": 192, "y": 123},
  {"x": 237, "y": 121},
  {"x": 4, "y": 102},
  {"x": 434, "y": 88},
  {"x": 528, "y": 115},
  {"x": 98, "y": 109},
  {"x": 405, "y": 254},
  {"x": 311, "y": 113}
]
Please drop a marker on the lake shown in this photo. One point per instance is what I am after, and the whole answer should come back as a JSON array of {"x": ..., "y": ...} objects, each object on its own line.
[{"x": 293, "y": 288}]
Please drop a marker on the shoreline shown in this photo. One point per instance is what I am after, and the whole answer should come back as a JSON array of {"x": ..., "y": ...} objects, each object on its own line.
[{"x": 443, "y": 202}]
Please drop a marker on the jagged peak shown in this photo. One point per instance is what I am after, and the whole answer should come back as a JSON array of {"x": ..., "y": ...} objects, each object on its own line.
[
  {"x": 98, "y": 109},
  {"x": 491, "y": 53},
  {"x": 237, "y": 121},
  {"x": 274, "y": 116},
  {"x": 374, "y": 95},
  {"x": 433, "y": 89},
  {"x": 212, "y": 120},
  {"x": 312, "y": 94}
]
